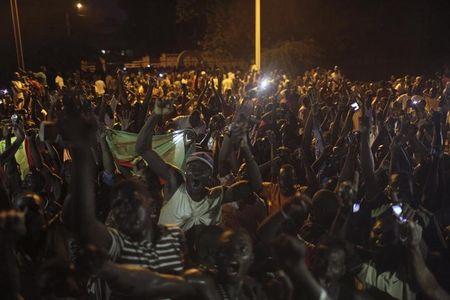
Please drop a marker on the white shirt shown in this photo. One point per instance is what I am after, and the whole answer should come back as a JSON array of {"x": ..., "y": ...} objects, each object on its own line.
[{"x": 182, "y": 211}]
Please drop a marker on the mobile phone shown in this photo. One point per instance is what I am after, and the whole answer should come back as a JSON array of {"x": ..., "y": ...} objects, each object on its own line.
[
  {"x": 398, "y": 210},
  {"x": 356, "y": 207},
  {"x": 355, "y": 106}
]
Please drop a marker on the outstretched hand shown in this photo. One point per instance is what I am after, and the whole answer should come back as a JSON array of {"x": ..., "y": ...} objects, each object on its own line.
[{"x": 125, "y": 120}]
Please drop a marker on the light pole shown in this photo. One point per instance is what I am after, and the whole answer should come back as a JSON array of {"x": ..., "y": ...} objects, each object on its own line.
[
  {"x": 79, "y": 6},
  {"x": 258, "y": 34},
  {"x": 17, "y": 34}
]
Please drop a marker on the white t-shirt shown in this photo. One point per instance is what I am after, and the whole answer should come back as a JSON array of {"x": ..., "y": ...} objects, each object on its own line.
[
  {"x": 182, "y": 211},
  {"x": 100, "y": 87}
]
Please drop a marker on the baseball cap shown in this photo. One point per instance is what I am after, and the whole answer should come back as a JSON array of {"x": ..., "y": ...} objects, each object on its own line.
[{"x": 201, "y": 156}]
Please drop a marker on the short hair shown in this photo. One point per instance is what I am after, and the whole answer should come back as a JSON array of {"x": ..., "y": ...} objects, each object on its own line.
[{"x": 128, "y": 187}]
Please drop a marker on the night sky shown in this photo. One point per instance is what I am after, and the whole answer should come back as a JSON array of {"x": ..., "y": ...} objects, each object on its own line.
[{"x": 376, "y": 37}]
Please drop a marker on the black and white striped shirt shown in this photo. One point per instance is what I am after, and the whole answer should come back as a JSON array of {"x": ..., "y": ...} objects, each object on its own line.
[{"x": 164, "y": 255}]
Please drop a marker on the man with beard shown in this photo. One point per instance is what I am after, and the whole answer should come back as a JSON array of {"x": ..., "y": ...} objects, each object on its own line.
[
  {"x": 191, "y": 200},
  {"x": 134, "y": 238},
  {"x": 230, "y": 281}
]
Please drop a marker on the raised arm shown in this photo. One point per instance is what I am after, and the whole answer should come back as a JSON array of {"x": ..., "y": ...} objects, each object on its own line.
[
  {"x": 292, "y": 214},
  {"x": 11, "y": 149},
  {"x": 348, "y": 170},
  {"x": 44, "y": 170},
  {"x": 80, "y": 213},
  {"x": 107, "y": 158},
  {"x": 336, "y": 124},
  {"x": 224, "y": 155},
  {"x": 424, "y": 278},
  {"x": 255, "y": 178},
  {"x": 291, "y": 254},
  {"x": 429, "y": 196},
  {"x": 155, "y": 162},
  {"x": 242, "y": 190},
  {"x": 367, "y": 160},
  {"x": 140, "y": 282}
]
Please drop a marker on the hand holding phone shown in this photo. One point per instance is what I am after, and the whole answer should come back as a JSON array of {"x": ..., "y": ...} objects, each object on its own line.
[{"x": 398, "y": 213}]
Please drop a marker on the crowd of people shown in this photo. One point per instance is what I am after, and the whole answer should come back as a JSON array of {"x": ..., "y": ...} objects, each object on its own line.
[{"x": 307, "y": 187}]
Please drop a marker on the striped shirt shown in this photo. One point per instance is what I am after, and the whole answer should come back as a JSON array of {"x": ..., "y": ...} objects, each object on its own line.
[{"x": 165, "y": 255}]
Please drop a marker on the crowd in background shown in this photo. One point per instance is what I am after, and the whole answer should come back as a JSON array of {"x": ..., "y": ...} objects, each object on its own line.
[{"x": 307, "y": 187}]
